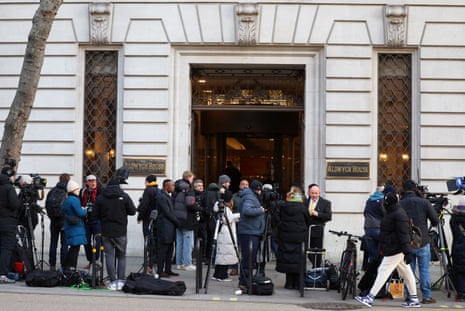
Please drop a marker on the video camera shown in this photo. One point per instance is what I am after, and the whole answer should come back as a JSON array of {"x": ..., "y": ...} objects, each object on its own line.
[
  {"x": 270, "y": 198},
  {"x": 438, "y": 200},
  {"x": 457, "y": 185},
  {"x": 36, "y": 182}
]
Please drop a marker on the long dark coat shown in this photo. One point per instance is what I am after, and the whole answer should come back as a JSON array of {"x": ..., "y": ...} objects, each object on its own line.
[
  {"x": 292, "y": 231},
  {"x": 166, "y": 221}
]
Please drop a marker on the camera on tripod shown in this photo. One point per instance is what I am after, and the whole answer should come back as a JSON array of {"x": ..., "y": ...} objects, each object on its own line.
[
  {"x": 438, "y": 200},
  {"x": 270, "y": 198}
]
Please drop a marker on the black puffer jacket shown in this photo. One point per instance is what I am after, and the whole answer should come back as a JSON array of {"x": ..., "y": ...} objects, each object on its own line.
[
  {"x": 395, "y": 232},
  {"x": 457, "y": 226},
  {"x": 9, "y": 202},
  {"x": 292, "y": 231},
  {"x": 112, "y": 208}
]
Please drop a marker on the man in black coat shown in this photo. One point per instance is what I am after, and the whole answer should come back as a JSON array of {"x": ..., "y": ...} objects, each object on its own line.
[
  {"x": 166, "y": 229},
  {"x": 420, "y": 211},
  {"x": 112, "y": 208},
  {"x": 320, "y": 213},
  {"x": 9, "y": 207},
  {"x": 457, "y": 226}
]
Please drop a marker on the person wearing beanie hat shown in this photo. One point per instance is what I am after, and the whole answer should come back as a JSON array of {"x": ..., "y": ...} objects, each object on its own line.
[
  {"x": 75, "y": 231},
  {"x": 389, "y": 188},
  {"x": 147, "y": 203},
  {"x": 421, "y": 212},
  {"x": 112, "y": 208},
  {"x": 394, "y": 245},
  {"x": 250, "y": 229},
  {"x": 88, "y": 195},
  {"x": 223, "y": 179},
  {"x": 373, "y": 214}
]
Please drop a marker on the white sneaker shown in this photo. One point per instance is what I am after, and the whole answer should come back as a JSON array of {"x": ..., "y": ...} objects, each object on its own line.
[
  {"x": 180, "y": 267},
  {"x": 5, "y": 280},
  {"x": 189, "y": 268},
  {"x": 113, "y": 285},
  {"x": 120, "y": 284}
]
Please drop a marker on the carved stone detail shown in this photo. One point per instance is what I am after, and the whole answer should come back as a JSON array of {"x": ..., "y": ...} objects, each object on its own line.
[
  {"x": 396, "y": 25},
  {"x": 100, "y": 19},
  {"x": 247, "y": 14}
]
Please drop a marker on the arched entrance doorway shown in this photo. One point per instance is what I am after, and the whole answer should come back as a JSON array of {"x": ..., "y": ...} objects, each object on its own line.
[{"x": 251, "y": 118}]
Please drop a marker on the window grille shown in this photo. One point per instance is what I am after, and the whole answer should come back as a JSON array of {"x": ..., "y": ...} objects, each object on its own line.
[
  {"x": 394, "y": 118},
  {"x": 100, "y": 100}
]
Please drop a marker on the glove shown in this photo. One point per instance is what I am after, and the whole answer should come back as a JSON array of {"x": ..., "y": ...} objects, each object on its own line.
[{"x": 408, "y": 258}]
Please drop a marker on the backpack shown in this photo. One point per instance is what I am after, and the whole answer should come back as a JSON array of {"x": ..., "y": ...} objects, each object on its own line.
[{"x": 55, "y": 198}]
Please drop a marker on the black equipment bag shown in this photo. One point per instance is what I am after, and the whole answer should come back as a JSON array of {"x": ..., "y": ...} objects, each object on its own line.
[
  {"x": 39, "y": 278},
  {"x": 145, "y": 284},
  {"x": 317, "y": 278},
  {"x": 262, "y": 285}
]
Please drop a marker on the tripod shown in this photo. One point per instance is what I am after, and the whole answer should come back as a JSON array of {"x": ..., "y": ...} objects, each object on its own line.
[
  {"x": 221, "y": 218},
  {"x": 149, "y": 244},
  {"x": 444, "y": 257},
  {"x": 31, "y": 236}
]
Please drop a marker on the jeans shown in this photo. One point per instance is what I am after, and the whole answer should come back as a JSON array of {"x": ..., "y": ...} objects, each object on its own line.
[
  {"x": 372, "y": 240},
  {"x": 244, "y": 243},
  {"x": 7, "y": 245},
  {"x": 57, "y": 232},
  {"x": 92, "y": 229},
  {"x": 423, "y": 256},
  {"x": 184, "y": 246},
  {"x": 115, "y": 250}
]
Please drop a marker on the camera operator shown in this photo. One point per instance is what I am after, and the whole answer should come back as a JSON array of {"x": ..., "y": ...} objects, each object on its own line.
[
  {"x": 270, "y": 201},
  {"x": 9, "y": 207},
  {"x": 88, "y": 195},
  {"x": 419, "y": 210},
  {"x": 201, "y": 215},
  {"x": 251, "y": 228},
  {"x": 31, "y": 190}
]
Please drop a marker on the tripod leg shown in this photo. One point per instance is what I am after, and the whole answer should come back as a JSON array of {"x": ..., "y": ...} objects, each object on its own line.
[{"x": 212, "y": 253}]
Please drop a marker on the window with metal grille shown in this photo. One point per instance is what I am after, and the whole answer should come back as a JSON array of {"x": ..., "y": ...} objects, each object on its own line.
[
  {"x": 394, "y": 118},
  {"x": 100, "y": 90}
]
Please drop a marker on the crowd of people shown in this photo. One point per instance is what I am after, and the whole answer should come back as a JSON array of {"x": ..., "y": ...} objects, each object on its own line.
[{"x": 232, "y": 220}]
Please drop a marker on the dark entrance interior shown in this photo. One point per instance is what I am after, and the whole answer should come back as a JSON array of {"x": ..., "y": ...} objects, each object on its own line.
[
  {"x": 251, "y": 117},
  {"x": 263, "y": 145}
]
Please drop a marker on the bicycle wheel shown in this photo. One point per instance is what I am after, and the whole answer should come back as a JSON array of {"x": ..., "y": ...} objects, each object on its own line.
[
  {"x": 351, "y": 280},
  {"x": 343, "y": 275}
]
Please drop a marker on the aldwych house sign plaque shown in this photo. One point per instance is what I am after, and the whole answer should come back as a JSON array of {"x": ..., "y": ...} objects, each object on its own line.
[
  {"x": 145, "y": 166},
  {"x": 348, "y": 169}
]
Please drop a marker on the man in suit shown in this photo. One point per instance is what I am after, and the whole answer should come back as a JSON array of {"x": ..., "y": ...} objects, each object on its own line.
[
  {"x": 320, "y": 213},
  {"x": 166, "y": 224}
]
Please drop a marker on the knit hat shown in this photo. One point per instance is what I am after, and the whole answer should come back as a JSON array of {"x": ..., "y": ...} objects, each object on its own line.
[
  {"x": 213, "y": 187},
  {"x": 389, "y": 188},
  {"x": 223, "y": 179},
  {"x": 71, "y": 186},
  {"x": 256, "y": 185},
  {"x": 409, "y": 185}
]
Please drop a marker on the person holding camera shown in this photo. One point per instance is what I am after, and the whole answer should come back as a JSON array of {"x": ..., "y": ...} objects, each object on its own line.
[
  {"x": 419, "y": 210},
  {"x": 394, "y": 245},
  {"x": 457, "y": 226},
  {"x": 93, "y": 227},
  {"x": 9, "y": 207},
  {"x": 251, "y": 229}
]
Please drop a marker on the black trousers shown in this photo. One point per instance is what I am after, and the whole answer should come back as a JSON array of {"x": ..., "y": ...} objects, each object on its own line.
[{"x": 164, "y": 256}]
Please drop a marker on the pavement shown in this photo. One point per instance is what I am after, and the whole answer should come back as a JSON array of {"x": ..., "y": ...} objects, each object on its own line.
[{"x": 315, "y": 299}]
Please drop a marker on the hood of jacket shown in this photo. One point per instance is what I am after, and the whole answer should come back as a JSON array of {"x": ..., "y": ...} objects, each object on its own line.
[
  {"x": 112, "y": 191},
  {"x": 4, "y": 179},
  {"x": 375, "y": 196}
]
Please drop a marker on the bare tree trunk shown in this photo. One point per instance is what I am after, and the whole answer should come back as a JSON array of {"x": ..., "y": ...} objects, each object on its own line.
[{"x": 15, "y": 124}]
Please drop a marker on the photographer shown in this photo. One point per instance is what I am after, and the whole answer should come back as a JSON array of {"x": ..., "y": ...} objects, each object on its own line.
[
  {"x": 419, "y": 210},
  {"x": 88, "y": 195},
  {"x": 9, "y": 207}
]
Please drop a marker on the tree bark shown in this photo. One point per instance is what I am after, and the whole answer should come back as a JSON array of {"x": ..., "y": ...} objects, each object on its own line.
[{"x": 20, "y": 110}]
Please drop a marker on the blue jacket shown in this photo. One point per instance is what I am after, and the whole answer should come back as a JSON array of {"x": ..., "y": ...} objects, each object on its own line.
[
  {"x": 75, "y": 234},
  {"x": 252, "y": 221}
]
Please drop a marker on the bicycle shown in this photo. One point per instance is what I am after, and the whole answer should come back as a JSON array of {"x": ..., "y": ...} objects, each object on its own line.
[{"x": 348, "y": 264}]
